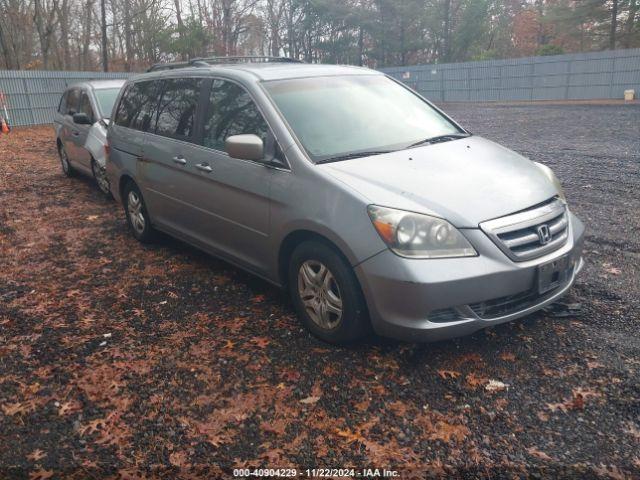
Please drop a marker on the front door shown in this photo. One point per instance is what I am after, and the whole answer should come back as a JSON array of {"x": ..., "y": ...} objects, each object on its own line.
[
  {"x": 69, "y": 131},
  {"x": 231, "y": 195},
  {"x": 81, "y": 155}
]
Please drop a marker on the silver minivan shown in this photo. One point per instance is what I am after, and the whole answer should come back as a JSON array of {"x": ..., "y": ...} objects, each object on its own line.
[
  {"x": 370, "y": 205},
  {"x": 81, "y": 128}
]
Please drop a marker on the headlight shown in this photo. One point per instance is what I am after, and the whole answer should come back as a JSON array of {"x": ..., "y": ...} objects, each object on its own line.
[
  {"x": 419, "y": 236},
  {"x": 552, "y": 178}
]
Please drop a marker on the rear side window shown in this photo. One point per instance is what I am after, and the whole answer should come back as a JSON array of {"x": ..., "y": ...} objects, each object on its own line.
[
  {"x": 62, "y": 107},
  {"x": 231, "y": 111},
  {"x": 73, "y": 101},
  {"x": 138, "y": 106},
  {"x": 177, "y": 109}
]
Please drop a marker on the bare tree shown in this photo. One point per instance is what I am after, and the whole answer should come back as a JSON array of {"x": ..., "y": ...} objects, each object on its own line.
[{"x": 44, "y": 17}]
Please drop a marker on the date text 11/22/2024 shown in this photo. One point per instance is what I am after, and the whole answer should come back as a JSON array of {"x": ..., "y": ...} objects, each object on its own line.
[{"x": 316, "y": 472}]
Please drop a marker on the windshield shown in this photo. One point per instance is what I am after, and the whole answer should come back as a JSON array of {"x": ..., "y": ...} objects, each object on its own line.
[
  {"x": 336, "y": 116},
  {"x": 106, "y": 98}
]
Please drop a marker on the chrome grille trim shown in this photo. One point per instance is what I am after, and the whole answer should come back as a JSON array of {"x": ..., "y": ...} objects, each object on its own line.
[{"x": 516, "y": 234}]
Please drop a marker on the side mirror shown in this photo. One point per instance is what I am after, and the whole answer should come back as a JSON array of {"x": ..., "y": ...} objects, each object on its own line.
[
  {"x": 245, "y": 147},
  {"x": 81, "y": 119}
]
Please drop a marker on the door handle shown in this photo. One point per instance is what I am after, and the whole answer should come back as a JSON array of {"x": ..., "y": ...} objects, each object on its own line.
[
  {"x": 179, "y": 160},
  {"x": 204, "y": 167}
]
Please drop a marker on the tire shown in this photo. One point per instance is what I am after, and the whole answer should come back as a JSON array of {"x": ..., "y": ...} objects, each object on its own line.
[
  {"x": 137, "y": 216},
  {"x": 67, "y": 169},
  {"x": 320, "y": 281},
  {"x": 100, "y": 178}
]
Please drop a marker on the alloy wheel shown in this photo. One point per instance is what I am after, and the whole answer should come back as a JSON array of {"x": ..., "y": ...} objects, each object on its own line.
[
  {"x": 100, "y": 174},
  {"x": 136, "y": 215},
  {"x": 320, "y": 294},
  {"x": 64, "y": 160}
]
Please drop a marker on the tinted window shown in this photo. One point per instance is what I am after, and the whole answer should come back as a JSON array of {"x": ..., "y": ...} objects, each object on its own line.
[
  {"x": 62, "y": 108},
  {"x": 73, "y": 100},
  {"x": 85, "y": 106},
  {"x": 138, "y": 107},
  {"x": 231, "y": 111},
  {"x": 177, "y": 110}
]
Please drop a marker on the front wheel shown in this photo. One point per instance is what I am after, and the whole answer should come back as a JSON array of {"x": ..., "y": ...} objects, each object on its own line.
[
  {"x": 100, "y": 176},
  {"x": 67, "y": 169},
  {"x": 326, "y": 294},
  {"x": 137, "y": 215}
]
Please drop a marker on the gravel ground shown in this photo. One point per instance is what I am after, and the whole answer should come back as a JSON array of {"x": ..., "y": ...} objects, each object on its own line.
[{"x": 127, "y": 361}]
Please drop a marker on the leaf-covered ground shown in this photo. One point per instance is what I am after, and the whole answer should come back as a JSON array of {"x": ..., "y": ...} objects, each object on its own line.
[{"x": 128, "y": 361}]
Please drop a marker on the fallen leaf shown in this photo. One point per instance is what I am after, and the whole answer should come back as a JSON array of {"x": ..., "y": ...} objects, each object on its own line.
[
  {"x": 350, "y": 436},
  {"x": 448, "y": 374},
  {"x": 610, "y": 471},
  {"x": 36, "y": 455},
  {"x": 68, "y": 407},
  {"x": 613, "y": 270},
  {"x": 539, "y": 454},
  {"x": 178, "y": 459},
  {"x": 557, "y": 406},
  {"x": 543, "y": 417},
  {"x": 475, "y": 381},
  {"x": 309, "y": 400},
  {"x": 41, "y": 474},
  {"x": 507, "y": 357},
  {"x": 446, "y": 432},
  {"x": 277, "y": 426},
  {"x": 260, "y": 342}
]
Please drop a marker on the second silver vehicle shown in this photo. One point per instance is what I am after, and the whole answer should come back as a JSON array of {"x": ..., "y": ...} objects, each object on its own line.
[
  {"x": 374, "y": 208},
  {"x": 81, "y": 128}
]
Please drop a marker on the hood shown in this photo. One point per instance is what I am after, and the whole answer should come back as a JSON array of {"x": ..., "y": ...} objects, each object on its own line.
[{"x": 465, "y": 181}]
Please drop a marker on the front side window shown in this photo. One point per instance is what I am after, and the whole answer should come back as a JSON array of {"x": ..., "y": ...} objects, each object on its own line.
[
  {"x": 62, "y": 108},
  {"x": 231, "y": 111},
  {"x": 177, "y": 109},
  {"x": 73, "y": 101},
  {"x": 138, "y": 107},
  {"x": 85, "y": 106},
  {"x": 341, "y": 115},
  {"x": 106, "y": 97}
]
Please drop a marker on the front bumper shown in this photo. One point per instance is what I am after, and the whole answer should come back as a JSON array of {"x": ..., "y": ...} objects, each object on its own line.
[{"x": 435, "y": 299}]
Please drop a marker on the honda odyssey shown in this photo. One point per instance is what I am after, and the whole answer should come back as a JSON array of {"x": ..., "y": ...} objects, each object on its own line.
[{"x": 369, "y": 204}]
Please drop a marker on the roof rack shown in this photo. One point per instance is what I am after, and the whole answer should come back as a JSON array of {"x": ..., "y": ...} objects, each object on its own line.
[{"x": 207, "y": 61}]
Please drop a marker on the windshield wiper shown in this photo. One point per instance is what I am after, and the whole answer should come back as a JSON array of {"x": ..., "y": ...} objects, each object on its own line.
[
  {"x": 440, "y": 139},
  {"x": 350, "y": 156}
]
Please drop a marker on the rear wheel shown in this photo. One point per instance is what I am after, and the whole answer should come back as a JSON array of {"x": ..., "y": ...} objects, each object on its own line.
[
  {"x": 137, "y": 215},
  {"x": 100, "y": 176},
  {"x": 326, "y": 294},
  {"x": 67, "y": 169}
]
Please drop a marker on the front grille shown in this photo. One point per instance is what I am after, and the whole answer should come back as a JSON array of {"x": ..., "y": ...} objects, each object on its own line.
[
  {"x": 499, "y": 307},
  {"x": 531, "y": 233}
]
